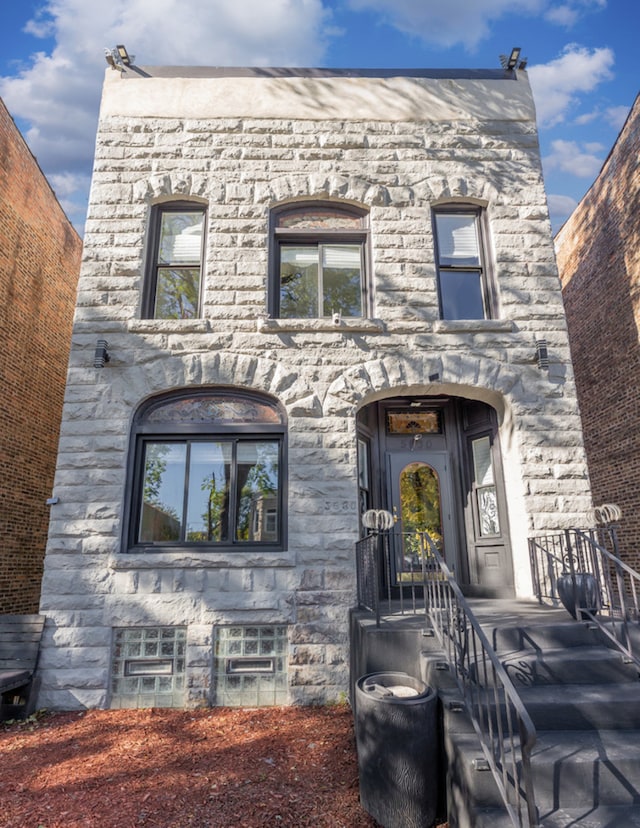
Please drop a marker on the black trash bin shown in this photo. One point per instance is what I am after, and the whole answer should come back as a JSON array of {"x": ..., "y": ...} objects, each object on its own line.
[{"x": 397, "y": 744}]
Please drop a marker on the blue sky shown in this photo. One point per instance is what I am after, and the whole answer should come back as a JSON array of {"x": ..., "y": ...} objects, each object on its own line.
[{"x": 581, "y": 63}]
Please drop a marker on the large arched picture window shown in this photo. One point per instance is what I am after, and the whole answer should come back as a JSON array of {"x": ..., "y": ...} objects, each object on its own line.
[
  {"x": 318, "y": 261},
  {"x": 208, "y": 471}
]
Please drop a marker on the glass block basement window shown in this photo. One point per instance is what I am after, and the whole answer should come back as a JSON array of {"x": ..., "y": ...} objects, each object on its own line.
[
  {"x": 251, "y": 666},
  {"x": 147, "y": 669}
]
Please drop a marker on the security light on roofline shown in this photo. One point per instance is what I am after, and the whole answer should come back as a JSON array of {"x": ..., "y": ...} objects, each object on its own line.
[
  {"x": 511, "y": 61},
  {"x": 124, "y": 55},
  {"x": 118, "y": 57}
]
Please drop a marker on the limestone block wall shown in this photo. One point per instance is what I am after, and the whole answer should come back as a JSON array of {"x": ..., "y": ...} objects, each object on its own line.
[{"x": 396, "y": 146}]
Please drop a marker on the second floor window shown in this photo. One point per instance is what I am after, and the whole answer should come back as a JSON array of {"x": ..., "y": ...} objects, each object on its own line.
[
  {"x": 318, "y": 262},
  {"x": 174, "y": 273},
  {"x": 462, "y": 284}
]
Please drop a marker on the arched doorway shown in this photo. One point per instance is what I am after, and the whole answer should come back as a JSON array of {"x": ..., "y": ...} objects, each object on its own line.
[{"x": 435, "y": 463}]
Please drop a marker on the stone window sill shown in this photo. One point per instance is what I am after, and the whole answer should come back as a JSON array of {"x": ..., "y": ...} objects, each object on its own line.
[
  {"x": 473, "y": 326},
  {"x": 183, "y": 559},
  {"x": 319, "y": 325},
  {"x": 160, "y": 326}
]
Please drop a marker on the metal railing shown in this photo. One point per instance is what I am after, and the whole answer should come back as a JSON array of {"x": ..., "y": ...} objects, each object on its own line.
[
  {"x": 416, "y": 579},
  {"x": 501, "y": 722},
  {"x": 391, "y": 572},
  {"x": 561, "y": 563}
]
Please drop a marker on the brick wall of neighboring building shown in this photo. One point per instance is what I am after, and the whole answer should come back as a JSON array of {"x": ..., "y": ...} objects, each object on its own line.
[
  {"x": 39, "y": 265},
  {"x": 598, "y": 253}
]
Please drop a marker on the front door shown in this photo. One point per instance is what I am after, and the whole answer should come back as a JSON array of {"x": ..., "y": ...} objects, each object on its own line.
[{"x": 421, "y": 500}]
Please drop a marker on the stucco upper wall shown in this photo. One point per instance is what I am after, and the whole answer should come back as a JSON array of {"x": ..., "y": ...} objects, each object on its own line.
[{"x": 322, "y": 97}]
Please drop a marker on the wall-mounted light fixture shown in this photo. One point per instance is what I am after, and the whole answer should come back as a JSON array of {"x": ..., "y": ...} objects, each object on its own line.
[
  {"x": 542, "y": 354},
  {"x": 510, "y": 62},
  {"x": 101, "y": 355}
]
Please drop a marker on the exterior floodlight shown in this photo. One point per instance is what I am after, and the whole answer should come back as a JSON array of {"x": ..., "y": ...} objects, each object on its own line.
[
  {"x": 118, "y": 58},
  {"x": 123, "y": 55},
  {"x": 511, "y": 61}
]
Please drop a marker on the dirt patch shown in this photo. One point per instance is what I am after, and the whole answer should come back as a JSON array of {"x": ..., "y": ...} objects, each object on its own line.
[{"x": 214, "y": 768}]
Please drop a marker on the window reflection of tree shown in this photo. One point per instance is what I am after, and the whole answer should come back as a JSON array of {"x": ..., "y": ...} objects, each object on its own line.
[
  {"x": 159, "y": 520},
  {"x": 419, "y": 506}
]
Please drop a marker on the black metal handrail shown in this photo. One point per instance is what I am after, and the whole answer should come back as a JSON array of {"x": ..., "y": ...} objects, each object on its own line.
[
  {"x": 595, "y": 552},
  {"x": 391, "y": 573},
  {"x": 501, "y": 722},
  {"x": 411, "y": 575}
]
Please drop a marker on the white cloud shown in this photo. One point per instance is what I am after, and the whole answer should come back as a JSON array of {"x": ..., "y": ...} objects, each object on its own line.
[
  {"x": 560, "y": 208},
  {"x": 587, "y": 118},
  {"x": 58, "y": 94},
  {"x": 468, "y": 22},
  {"x": 557, "y": 85},
  {"x": 613, "y": 115},
  {"x": 616, "y": 116},
  {"x": 562, "y": 15},
  {"x": 447, "y": 23},
  {"x": 568, "y": 14},
  {"x": 568, "y": 157}
]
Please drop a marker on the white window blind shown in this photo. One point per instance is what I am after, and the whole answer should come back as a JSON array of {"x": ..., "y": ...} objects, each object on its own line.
[
  {"x": 188, "y": 244},
  {"x": 457, "y": 239}
]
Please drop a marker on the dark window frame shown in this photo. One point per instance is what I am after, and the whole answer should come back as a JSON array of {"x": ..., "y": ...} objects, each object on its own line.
[
  {"x": 144, "y": 432},
  {"x": 152, "y": 264},
  {"x": 487, "y": 296},
  {"x": 291, "y": 236}
]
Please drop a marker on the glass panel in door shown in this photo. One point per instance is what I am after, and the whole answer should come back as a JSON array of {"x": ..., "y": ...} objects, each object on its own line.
[
  {"x": 421, "y": 501},
  {"x": 419, "y": 513}
]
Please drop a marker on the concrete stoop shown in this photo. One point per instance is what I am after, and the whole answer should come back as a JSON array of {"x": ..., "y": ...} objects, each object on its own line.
[{"x": 585, "y": 703}]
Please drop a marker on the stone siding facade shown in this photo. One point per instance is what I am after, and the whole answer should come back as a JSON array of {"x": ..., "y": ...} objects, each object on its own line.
[
  {"x": 38, "y": 278},
  {"x": 598, "y": 252},
  {"x": 243, "y": 144}
]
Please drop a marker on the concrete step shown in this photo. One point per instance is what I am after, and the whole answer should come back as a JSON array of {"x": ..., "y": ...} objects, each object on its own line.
[
  {"x": 607, "y": 816},
  {"x": 541, "y": 636},
  {"x": 625, "y": 816},
  {"x": 561, "y": 707},
  {"x": 570, "y": 769},
  {"x": 567, "y": 706},
  {"x": 583, "y": 706},
  {"x": 583, "y": 664}
]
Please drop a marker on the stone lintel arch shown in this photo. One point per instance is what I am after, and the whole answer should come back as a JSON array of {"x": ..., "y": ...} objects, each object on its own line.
[
  {"x": 486, "y": 379},
  {"x": 353, "y": 190},
  {"x": 469, "y": 189},
  {"x": 173, "y": 186},
  {"x": 239, "y": 371}
]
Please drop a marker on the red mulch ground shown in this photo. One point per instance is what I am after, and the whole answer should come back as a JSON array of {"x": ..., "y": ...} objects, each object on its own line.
[{"x": 216, "y": 768}]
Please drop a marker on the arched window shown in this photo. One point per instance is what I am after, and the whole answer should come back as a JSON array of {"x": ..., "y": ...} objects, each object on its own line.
[
  {"x": 318, "y": 261},
  {"x": 174, "y": 261},
  {"x": 208, "y": 471}
]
